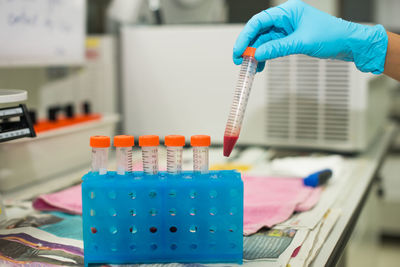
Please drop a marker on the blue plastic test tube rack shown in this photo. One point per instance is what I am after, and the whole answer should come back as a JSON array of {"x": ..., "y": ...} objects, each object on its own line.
[{"x": 137, "y": 218}]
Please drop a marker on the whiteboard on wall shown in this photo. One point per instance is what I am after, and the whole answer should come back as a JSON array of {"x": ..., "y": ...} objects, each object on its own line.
[{"x": 42, "y": 32}]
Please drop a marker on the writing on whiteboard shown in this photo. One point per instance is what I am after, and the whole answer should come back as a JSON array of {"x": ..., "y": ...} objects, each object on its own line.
[
  {"x": 43, "y": 31},
  {"x": 23, "y": 13}
]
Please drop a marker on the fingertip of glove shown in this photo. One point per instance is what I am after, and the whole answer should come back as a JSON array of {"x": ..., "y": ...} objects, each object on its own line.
[
  {"x": 237, "y": 60},
  {"x": 237, "y": 52}
]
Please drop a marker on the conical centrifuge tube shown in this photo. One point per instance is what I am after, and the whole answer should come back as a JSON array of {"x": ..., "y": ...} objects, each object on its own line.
[
  {"x": 123, "y": 145},
  {"x": 200, "y": 144},
  {"x": 242, "y": 92},
  {"x": 100, "y": 145},
  {"x": 174, "y": 144},
  {"x": 149, "y": 144}
]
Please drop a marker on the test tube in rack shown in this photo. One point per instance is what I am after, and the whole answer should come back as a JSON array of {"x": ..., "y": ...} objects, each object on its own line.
[
  {"x": 200, "y": 144},
  {"x": 174, "y": 144},
  {"x": 149, "y": 145},
  {"x": 100, "y": 145},
  {"x": 124, "y": 144}
]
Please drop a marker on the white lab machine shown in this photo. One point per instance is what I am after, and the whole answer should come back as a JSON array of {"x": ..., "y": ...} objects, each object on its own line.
[
  {"x": 53, "y": 153},
  {"x": 323, "y": 104},
  {"x": 180, "y": 80},
  {"x": 14, "y": 123},
  {"x": 166, "y": 12}
]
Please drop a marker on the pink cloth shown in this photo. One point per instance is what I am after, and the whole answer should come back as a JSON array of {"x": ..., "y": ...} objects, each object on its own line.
[
  {"x": 269, "y": 201},
  {"x": 68, "y": 200},
  {"x": 310, "y": 201}
]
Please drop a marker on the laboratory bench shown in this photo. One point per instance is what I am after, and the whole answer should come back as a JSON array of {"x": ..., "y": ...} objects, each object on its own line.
[
  {"x": 353, "y": 202},
  {"x": 364, "y": 179}
]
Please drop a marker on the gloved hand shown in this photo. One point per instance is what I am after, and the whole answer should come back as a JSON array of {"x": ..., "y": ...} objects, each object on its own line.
[{"x": 297, "y": 28}]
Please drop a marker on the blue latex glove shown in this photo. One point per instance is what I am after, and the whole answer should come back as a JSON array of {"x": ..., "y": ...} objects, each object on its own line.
[{"x": 297, "y": 28}]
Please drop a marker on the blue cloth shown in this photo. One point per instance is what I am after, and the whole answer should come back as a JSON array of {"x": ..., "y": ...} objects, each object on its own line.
[
  {"x": 69, "y": 227},
  {"x": 297, "y": 28}
]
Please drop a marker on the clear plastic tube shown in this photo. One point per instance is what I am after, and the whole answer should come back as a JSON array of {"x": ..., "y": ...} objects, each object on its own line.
[
  {"x": 124, "y": 144},
  {"x": 174, "y": 159},
  {"x": 99, "y": 160},
  {"x": 240, "y": 99},
  {"x": 200, "y": 159},
  {"x": 150, "y": 159},
  {"x": 124, "y": 160}
]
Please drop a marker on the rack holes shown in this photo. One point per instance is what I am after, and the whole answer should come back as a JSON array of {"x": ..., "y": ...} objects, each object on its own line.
[
  {"x": 232, "y": 211},
  {"x": 153, "y": 212},
  {"x": 113, "y": 230},
  {"x": 153, "y": 229},
  {"x": 153, "y": 194},
  {"x": 193, "y": 229},
  {"x": 132, "y": 195},
  {"x": 112, "y": 212},
  {"x": 92, "y": 212},
  {"x": 172, "y": 212},
  {"x": 213, "y": 211},
  {"x": 172, "y": 194},
  {"x": 92, "y": 194},
  {"x": 193, "y": 246},
  {"x": 213, "y": 194},
  {"x": 232, "y": 229},
  {"x": 153, "y": 246},
  {"x": 93, "y": 230},
  {"x": 192, "y": 194},
  {"x": 213, "y": 229},
  {"x": 173, "y": 229},
  {"x": 174, "y": 246},
  {"x": 133, "y": 229},
  {"x": 132, "y": 212},
  {"x": 192, "y": 212},
  {"x": 112, "y": 195}
]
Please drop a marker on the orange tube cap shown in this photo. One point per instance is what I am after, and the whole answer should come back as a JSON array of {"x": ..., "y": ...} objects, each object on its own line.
[
  {"x": 174, "y": 140},
  {"x": 124, "y": 141},
  {"x": 100, "y": 141},
  {"x": 200, "y": 140},
  {"x": 249, "y": 52},
  {"x": 149, "y": 140}
]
